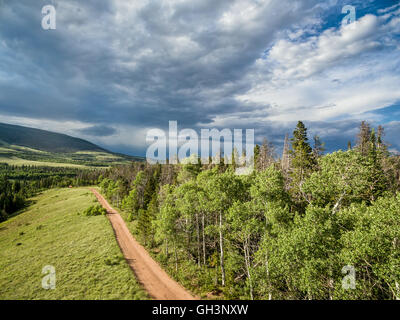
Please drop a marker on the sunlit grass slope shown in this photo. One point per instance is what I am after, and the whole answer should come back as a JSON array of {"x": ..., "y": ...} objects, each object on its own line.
[{"x": 83, "y": 250}]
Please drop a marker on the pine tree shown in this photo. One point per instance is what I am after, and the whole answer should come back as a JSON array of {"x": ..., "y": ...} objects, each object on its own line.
[
  {"x": 285, "y": 162},
  {"x": 363, "y": 138},
  {"x": 377, "y": 177},
  {"x": 302, "y": 162},
  {"x": 146, "y": 220},
  {"x": 143, "y": 224},
  {"x": 3, "y": 215},
  {"x": 381, "y": 146},
  {"x": 235, "y": 161},
  {"x": 266, "y": 155},
  {"x": 319, "y": 147},
  {"x": 256, "y": 153}
]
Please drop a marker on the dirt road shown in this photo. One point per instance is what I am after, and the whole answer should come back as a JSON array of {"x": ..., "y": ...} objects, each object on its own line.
[{"x": 148, "y": 272}]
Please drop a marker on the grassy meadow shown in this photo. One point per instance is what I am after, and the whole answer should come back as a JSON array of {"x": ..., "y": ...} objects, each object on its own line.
[
  {"x": 20, "y": 156},
  {"x": 15, "y": 161},
  {"x": 83, "y": 250}
]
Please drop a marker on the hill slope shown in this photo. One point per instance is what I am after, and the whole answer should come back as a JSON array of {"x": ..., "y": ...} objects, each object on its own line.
[
  {"x": 87, "y": 260},
  {"x": 28, "y": 146},
  {"x": 44, "y": 140}
]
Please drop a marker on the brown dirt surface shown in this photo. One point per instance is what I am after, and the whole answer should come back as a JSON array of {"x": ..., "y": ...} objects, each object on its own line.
[{"x": 154, "y": 279}]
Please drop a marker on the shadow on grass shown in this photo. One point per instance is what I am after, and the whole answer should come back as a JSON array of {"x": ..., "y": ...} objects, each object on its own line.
[{"x": 28, "y": 203}]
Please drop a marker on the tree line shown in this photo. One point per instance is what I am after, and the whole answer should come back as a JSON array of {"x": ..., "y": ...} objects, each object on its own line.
[
  {"x": 19, "y": 183},
  {"x": 292, "y": 229}
]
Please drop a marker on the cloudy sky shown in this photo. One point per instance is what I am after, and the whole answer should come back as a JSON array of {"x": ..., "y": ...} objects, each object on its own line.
[{"x": 114, "y": 69}]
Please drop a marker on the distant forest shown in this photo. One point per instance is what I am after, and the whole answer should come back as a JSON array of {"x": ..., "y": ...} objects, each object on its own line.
[
  {"x": 292, "y": 229},
  {"x": 19, "y": 183}
]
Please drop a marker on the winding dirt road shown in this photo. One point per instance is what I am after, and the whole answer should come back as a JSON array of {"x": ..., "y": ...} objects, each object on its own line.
[{"x": 148, "y": 272}]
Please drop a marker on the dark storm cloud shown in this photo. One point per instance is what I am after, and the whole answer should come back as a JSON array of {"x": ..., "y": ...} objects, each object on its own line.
[
  {"x": 102, "y": 131},
  {"x": 142, "y": 63},
  {"x": 82, "y": 69}
]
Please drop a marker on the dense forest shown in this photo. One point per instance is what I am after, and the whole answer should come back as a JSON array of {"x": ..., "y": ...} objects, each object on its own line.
[
  {"x": 18, "y": 183},
  {"x": 295, "y": 228}
]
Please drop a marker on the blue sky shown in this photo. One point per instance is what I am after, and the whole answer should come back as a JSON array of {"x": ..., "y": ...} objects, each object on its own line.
[{"x": 112, "y": 69}]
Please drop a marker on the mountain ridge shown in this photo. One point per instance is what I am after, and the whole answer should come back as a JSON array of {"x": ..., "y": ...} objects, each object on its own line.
[
  {"x": 44, "y": 140},
  {"x": 20, "y": 145}
]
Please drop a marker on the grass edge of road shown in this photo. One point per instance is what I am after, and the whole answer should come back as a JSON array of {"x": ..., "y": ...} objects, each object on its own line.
[{"x": 53, "y": 231}]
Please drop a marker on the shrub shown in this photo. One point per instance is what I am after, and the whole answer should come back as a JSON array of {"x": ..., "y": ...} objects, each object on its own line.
[
  {"x": 113, "y": 261},
  {"x": 95, "y": 211}
]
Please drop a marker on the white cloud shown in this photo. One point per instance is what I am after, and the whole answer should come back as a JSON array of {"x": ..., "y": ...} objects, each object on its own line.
[
  {"x": 341, "y": 72},
  {"x": 135, "y": 64},
  {"x": 303, "y": 59}
]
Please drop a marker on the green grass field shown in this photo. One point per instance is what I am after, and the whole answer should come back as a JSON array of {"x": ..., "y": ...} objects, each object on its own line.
[
  {"x": 83, "y": 250},
  {"x": 19, "y": 156},
  {"x": 15, "y": 161}
]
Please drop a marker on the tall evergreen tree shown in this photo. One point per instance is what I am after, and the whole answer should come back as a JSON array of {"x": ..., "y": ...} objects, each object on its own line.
[
  {"x": 377, "y": 177},
  {"x": 266, "y": 155},
  {"x": 381, "y": 146},
  {"x": 363, "y": 138},
  {"x": 256, "y": 153},
  {"x": 319, "y": 147},
  {"x": 285, "y": 162},
  {"x": 302, "y": 161}
]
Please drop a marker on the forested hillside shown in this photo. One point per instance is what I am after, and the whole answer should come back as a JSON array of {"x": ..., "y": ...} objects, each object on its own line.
[
  {"x": 33, "y": 160},
  {"x": 290, "y": 230}
]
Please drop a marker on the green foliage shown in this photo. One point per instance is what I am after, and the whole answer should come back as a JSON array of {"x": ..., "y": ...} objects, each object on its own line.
[
  {"x": 276, "y": 233},
  {"x": 372, "y": 246},
  {"x": 306, "y": 258},
  {"x": 95, "y": 210},
  {"x": 12, "y": 197},
  {"x": 18, "y": 183},
  {"x": 303, "y": 162},
  {"x": 345, "y": 178},
  {"x": 114, "y": 261},
  {"x": 342, "y": 179}
]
